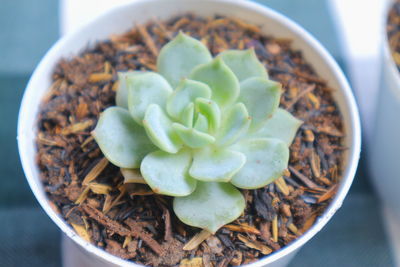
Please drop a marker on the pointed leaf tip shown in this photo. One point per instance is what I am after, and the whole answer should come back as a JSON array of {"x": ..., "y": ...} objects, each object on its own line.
[
  {"x": 180, "y": 56},
  {"x": 244, "y": 63},
  {"x": 145, "y": 89},
  {"x": 282, "y": 125},
  {"x": 261, "y": 97},
  {"x": 220, "y": 78},
  {"x": 210, "y": 206}
]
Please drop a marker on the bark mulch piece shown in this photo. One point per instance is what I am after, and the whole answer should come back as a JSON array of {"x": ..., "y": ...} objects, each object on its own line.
[{"x": 132, "y": 222}]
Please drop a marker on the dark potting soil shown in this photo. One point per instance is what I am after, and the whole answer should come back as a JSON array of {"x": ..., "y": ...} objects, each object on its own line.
[{"x": 130, "y": 221}]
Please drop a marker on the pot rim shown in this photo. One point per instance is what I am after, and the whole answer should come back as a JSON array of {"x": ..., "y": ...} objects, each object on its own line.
[{"x": 351, "y": 159}]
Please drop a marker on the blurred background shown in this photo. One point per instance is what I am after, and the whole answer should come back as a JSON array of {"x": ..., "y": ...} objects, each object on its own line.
[{"x": 354, "y": 237}]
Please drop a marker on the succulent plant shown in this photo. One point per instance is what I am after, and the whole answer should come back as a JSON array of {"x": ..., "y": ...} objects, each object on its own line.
[{"x": 199, "y": 129}]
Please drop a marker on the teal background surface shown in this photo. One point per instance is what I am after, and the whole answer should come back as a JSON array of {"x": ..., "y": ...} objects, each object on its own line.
[{"x": 354, "y": 237}]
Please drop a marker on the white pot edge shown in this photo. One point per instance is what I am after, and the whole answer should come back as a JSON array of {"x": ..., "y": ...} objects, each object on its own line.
[{"x": 352, "y": 117}]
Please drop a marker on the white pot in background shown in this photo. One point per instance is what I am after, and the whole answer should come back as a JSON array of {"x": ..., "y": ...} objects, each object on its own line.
[
  {"x": 384, "y": 151},
  {"x": 119, "y": 20}
]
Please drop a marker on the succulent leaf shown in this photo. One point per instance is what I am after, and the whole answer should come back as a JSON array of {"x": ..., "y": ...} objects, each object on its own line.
[
  {"x": 187, "y": 115},
  {"x": 146, "y": 89},
  {"x": 266, "y": 159},
  {"x": 159, "y": 129},
  {"x": 192, "y": 137},
  {"x": 201, "y": 123},
  {"x": 210, "y": 110},
  {"x": 180, "y": 56},
  {"x": 210, "y": 206},
  {"x": 212, "y": 164},
  {"x": 220, "y": 78},
  {"x": 186, "y": 92},
  {"x": 244, "y": 63},
  {"x": 234, "y": 124},
  {"x": 221, "y": 128},
  {"x": 167, "y": 173},
  {"x": 121, "y": 97},
  {"x": 282, "y": 125},
  {"x": 261, "y": 97},
  {"x": 122, "y": 141}
]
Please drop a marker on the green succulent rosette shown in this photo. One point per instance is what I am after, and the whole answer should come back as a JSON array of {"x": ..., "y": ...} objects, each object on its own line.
[{"x": 199, "y": 129}]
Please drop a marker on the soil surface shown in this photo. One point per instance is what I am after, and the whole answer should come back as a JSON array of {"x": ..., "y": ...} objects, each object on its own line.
[{"x": 130, "y": 221}]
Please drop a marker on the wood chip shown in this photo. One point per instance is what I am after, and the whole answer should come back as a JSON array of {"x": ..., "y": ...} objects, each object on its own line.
[
  {"x": 303, "y": 178},
  {"x": 168, "y": 227},
  {"x": 309, "y": 89},
  {"x": 127, "y": 240},
  {"x": 309, "y": 136},
  {"x": 138, "y": 232},
  {"x": 100, "y": 77},
  {"x": 197, "y": 240},
  {"x": 132, "y": 176},
  {"x": 101, "y": 189},
  {"x": 246, "y": 26},
  {"x": 77, "y": 127},
  {"x": 328, "y": 195},
  {"x": 255, "y": 245},
  {"x": 281, "y": 184},
  {"x": 82, "y": 196},
  {"x": 148, "y": 40},
  {"x": 194, "y": 262},
  {"x": 81, "y": 231},
  {"x": 95, "y": 171},
  {"x": 243, "y": 228},
  {"x": 314, "y": 100},
  {"x": 275, "y": 229},
  {"x": 315, "y": 163},
  {"x": 309, "y": 222},
  {"x": 293, "y": 228}
]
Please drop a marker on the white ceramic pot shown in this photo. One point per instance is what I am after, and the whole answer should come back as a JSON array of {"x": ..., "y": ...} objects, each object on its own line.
[
  {"x": 384, "y": 151},
  {"x": 119, "y": 20}
]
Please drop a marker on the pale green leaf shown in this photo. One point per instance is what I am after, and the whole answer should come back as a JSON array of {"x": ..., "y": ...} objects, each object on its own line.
[
  {"x": 234, "y": 124},
  {"x": 185, "y": 93},
  {"x": 145, "y": 89},
  {"x": 180, "y": 56},
  {"x": 167, "y": 174},
  {"x": 187, "y": 115},
  {"x": 122, "y": 141},
  {"x": 244, "y": 63},
  {"x": 222, "y": 81},
  {"x": 159, "y": 129},
  {"x": 192, "y": 137},
  {"x": 261, "y": 97},
  {"x": 121, "y": 98},
  {"x": 201, "y": 123},
  {"x": 210, "y": 206},
  {"x": 210, "y": 110},
  {"x": 266, "y": 159},
  {"x": 282, "y": 125},
  {"x": 216, "y": 164}
]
